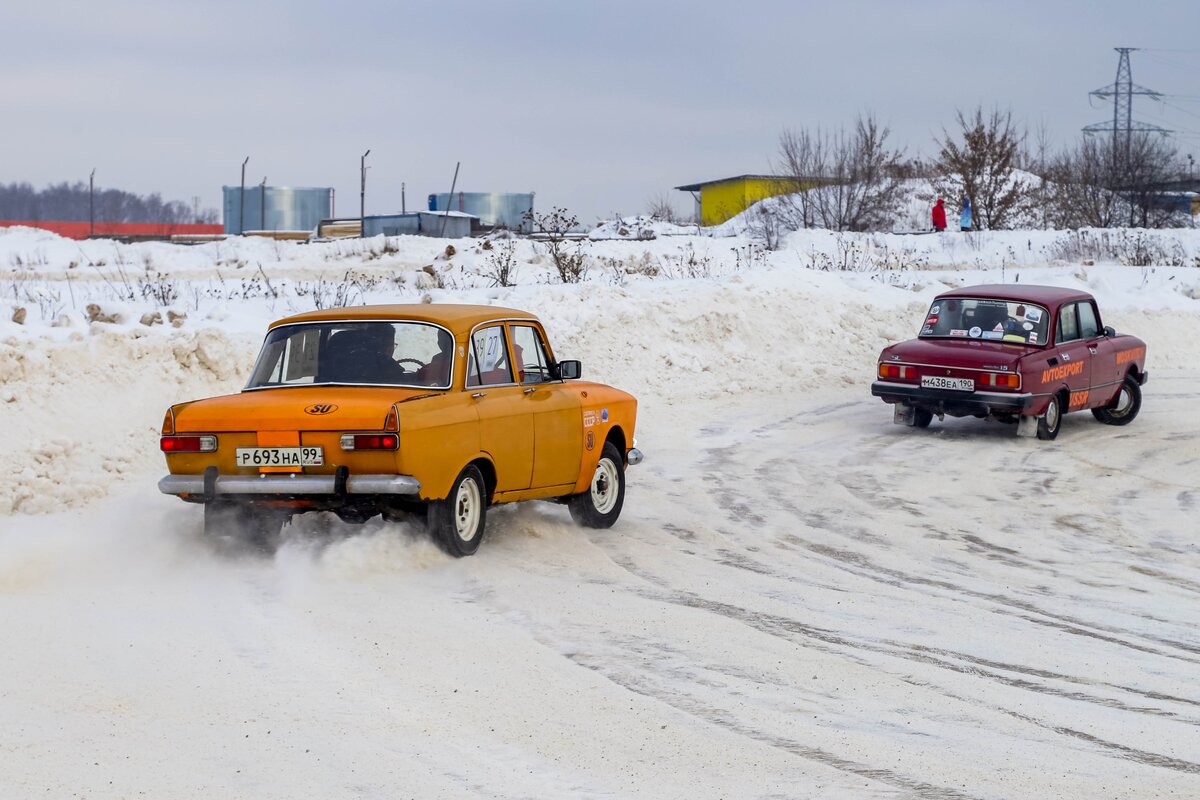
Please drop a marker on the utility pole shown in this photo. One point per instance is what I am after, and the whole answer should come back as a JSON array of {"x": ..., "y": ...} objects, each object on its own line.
[
  {"x": 362, "y": 191},
  {"x": 242, "y": 200},
  {"x": 92, "y": 203},
  {"x": 446, "y": 212},
  {"x": 262, "y": 203},
  {"x": 1123, "y": 127},
  {"x": 1122, "y": 91},
  {"x": 403, "y": 210}
]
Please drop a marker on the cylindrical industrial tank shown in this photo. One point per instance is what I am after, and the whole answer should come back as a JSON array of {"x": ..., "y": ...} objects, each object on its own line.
[
  {"x": 494, "y": 209},
  {"x": 279, "y": 208}
]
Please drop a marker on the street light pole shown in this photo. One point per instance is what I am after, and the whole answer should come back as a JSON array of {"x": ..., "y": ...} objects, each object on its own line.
[
  {"x": 92, "y": 203},
  {"x": 262, "y": 203},
  {"x": 362, "y": 192},
  {"x": 242, "y": 200}
]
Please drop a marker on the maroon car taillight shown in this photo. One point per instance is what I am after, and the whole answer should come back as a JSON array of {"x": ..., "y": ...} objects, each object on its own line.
[
  {"x": 1000, "y": 380},
  {"x": 188, "y": 444},
  {"x": 370, "y": 441},
  {"x": 903, "y": 372}
]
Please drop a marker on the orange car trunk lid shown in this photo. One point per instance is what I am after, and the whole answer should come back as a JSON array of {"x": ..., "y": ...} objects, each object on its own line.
[{"x": 333, "y": 408}]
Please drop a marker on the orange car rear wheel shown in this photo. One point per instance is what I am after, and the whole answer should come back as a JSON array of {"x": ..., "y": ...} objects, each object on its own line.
[{"x": 457, "y": 522}]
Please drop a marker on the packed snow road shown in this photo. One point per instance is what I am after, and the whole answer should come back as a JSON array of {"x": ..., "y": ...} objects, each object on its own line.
[{"x": 801, "y": 600}]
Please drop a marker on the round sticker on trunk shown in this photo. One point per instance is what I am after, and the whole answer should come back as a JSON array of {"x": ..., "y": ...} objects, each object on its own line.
[{"x": 975, "y": 332}]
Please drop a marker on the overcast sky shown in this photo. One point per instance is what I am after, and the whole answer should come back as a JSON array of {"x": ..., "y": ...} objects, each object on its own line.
[{"x": 595, "y": 106}]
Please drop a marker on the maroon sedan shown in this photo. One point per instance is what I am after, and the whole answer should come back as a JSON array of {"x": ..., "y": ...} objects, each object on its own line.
[{"x": 1023, "y": 354}]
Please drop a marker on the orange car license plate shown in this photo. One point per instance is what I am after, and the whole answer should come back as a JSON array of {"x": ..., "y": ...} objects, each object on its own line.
[{"x": 279, "y": 456}]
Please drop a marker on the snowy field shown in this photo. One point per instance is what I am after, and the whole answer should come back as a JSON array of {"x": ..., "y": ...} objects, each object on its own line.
[{"x": 801, "y": 599}]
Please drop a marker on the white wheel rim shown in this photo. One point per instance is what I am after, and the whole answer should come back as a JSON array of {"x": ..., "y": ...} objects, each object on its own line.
[
  {"x": 604, "y": 486},
  {"x": 1052, "y": 415},
  {"x": 467, "y": 506}
]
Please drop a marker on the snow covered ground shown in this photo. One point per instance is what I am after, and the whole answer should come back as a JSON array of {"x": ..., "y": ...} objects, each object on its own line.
[{"x": 800, "y": 600}]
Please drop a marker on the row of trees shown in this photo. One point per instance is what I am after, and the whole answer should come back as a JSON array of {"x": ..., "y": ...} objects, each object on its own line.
[
  {"x": 852, "y": 179},
  {"x": 69, "y": 202}
]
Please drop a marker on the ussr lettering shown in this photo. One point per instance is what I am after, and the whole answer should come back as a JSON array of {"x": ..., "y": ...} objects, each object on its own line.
[
  {"x": 1078, "y": 399},
  {"x": 1062, "y": 371},
  {"x": 1133, "y": 354}
]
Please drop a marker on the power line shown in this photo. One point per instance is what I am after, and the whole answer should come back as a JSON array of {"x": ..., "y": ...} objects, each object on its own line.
[{"x": 1175, "y": 64}]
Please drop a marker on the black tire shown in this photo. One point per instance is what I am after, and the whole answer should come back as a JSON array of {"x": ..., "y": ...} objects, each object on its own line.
[
  {"x": 601, "y": 504},
  {"x": 457, "y": 522},
  {"x": 1050, "y": 421},
  {"x": 258, "y": 527},
  {"x": 922, "y": 417},
  {"x": 1123, "y": 409}
]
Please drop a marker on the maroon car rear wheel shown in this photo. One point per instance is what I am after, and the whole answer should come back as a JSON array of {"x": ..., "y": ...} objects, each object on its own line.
[
  {"x": 1125, "y": 407},
  {"x": 1050, "y": 421}
]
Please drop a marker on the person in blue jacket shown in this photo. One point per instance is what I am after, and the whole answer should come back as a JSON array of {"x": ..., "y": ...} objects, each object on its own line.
[{"x": 964, "y": 217}]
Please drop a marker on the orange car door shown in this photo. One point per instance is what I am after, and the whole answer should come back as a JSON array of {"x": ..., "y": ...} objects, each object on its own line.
[
  {"x": 557, "y": 419},
  {"x": 506, "y": 430}
]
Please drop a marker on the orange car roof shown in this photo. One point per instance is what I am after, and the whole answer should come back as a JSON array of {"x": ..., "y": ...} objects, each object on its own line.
[{"x": 458, "y": 318}]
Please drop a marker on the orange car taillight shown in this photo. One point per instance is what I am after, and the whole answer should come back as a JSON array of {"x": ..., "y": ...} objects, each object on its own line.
[
  {"x": 188, "y": 444},
  {"x": 902, "y": 371},
  {"x": 370, "y": 441},
  {"x": 168, "y": 426},
  {"x": 1000, "y": 380}
]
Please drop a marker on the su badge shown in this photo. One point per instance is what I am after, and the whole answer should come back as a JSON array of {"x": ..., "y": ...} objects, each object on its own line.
[{"x": 320, "y": 408}]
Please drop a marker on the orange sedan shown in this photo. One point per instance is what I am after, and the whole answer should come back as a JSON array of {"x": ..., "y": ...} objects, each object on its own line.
[{"x": 441, "y": 410}]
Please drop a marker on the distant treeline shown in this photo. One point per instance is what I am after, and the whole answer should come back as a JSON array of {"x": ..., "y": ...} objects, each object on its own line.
[{"x": 68, "y": 202}]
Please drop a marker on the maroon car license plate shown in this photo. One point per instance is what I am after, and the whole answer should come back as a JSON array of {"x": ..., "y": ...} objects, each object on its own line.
[{"x": 955, "y": 384}]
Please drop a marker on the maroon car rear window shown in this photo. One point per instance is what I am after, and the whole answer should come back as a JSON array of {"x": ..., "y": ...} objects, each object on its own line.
[{"x": 988, "y": 319}]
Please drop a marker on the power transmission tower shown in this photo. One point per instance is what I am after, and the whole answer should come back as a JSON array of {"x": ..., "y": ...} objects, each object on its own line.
[{"x": 1122, "y": 91}]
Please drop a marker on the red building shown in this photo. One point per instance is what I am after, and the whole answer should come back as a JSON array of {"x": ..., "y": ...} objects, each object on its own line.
[{"x": 119, "y": 230}]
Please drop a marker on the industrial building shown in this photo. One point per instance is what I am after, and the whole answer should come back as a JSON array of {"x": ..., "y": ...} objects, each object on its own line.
[
  {"x": 492, "y": 209},
  {"x": 275, "y": 208},
  {"x": 448, "y": 224},
  {"x": 720, "y": 200}
]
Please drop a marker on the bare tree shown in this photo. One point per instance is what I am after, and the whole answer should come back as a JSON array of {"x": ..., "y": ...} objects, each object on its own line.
[
  {"x": 659, "y": 207},
  {"x": 552, "y": 229},
  {"x": 1100, "y": 184},
  {"x": 66, "y": 202},
  {"x": 982, "y": 164},
  {"x": 841, "y": 180},
  {"x": 801, "y": 157}
]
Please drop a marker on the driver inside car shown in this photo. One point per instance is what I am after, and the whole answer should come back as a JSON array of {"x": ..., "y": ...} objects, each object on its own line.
[
  {"x": 383, "y": 366},
  {"x": 437, "y": 371}
]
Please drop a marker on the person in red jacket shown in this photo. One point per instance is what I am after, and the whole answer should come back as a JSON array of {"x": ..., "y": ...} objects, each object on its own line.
[{"x": 939, "y": 216}]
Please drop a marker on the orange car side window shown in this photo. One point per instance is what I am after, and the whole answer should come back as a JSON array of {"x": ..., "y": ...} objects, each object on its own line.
[
  {"x": 529, "y": 350},
  {"x": 487, "y": 364}
]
